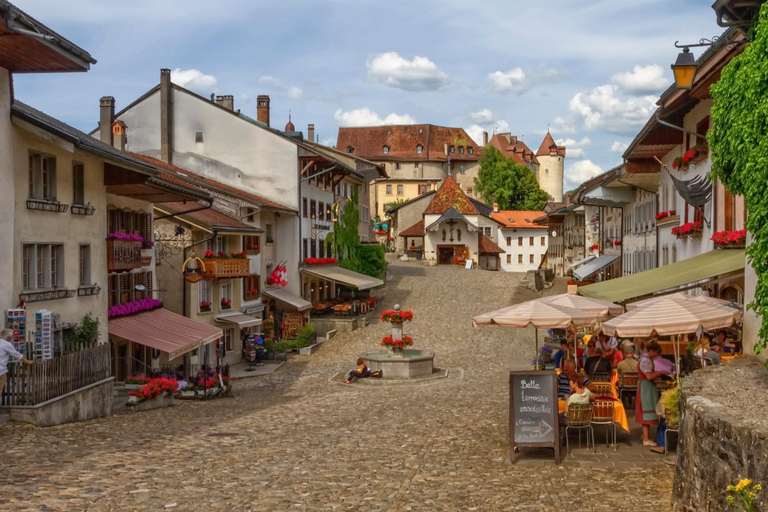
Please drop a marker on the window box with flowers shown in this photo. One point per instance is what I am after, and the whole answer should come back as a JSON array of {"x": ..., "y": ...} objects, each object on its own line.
[
  {"x": 220, "y": 265},
  {"x": 691, "y": 230},
  {"x": 667, "y": 218},
  {"x": 251, "y": 294},
  {"x": 205, "y": 306},
  {"x": 730, "y": 239},
  {"x": 594, "y": 247},
  {"x": 693, "y": 156},
  {"x": 154, "y": 394},
  {"x": 226, "y": 303}
]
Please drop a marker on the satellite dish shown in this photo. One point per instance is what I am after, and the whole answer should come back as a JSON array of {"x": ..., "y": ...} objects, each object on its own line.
[{"x": 140, "y": 288}]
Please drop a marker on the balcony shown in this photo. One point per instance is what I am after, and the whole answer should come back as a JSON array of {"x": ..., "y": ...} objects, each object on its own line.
[
  {"x": 123, "y": 255},
  {"x": 223, "y": 268}
]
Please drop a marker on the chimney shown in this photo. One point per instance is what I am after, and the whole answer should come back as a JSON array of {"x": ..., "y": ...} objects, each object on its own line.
[
  {"x": 262, "y": 108},
  {"x": 496, "y": 207},
  {"x": 568, "y": 198},
  {"x": 119, "y": 135},
  {"x": 227, "y": 101},
  {"x": 166, "y": 116},
  {"x": 485, "y": 139},
  {"x": 311, "y": 132},
  {"x": 106, "y": 116}
]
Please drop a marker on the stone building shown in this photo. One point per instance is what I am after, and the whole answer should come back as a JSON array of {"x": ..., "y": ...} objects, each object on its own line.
[
  {"x": 551, "y": 158},
  {"x": 524, "y": 242}
]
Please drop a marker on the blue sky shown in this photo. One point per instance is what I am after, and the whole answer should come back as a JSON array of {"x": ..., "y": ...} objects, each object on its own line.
[{"x": 591, "y": 69}]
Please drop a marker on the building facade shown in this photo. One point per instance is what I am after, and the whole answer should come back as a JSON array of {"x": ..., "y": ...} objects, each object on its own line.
[{"x": 525, "y": 243}]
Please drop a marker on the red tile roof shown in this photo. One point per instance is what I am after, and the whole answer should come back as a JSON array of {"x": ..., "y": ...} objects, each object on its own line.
[
  {"x": 511, "y": 147},
  {"x": 486, "y": 246},
  {"x": 402, "y": 141},
  {"x": 209, "y": 217},
  {"x": 415, "y": 231},
  {"x": 517, "y": 219},
  {"x": 546, "y": 147},
  {"x": 450, "y": 195},
  {"x": 189, "y": 176}
]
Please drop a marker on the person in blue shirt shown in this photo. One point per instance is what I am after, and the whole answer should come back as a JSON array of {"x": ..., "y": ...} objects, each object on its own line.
[{"x": 560, "y": 354}]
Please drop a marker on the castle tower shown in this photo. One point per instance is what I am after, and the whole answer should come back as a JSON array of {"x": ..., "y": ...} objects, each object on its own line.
[{"x": 551, "y": 159}]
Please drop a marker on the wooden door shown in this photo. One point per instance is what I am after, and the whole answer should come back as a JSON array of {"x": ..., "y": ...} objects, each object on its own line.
[{"x": 445, "y": 255}]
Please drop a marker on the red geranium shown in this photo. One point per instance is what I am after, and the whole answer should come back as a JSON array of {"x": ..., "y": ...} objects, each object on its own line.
[
  {"x": 155, "y": 388},
  {"x": 729, "y": 237},
  {"x": 397, "y": 317},
  {"x": 407, "y": 341},
  {"x": 320, "y": 261}
]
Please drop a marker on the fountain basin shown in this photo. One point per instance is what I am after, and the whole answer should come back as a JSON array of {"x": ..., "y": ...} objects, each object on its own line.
[{"x": 413, "y": 363}]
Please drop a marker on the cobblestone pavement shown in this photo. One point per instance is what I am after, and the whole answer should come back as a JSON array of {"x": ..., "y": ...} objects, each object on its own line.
[{"x": 295, "y": 441}]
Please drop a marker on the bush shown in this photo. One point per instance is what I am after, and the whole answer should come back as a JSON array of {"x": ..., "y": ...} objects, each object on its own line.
[
  {"x": 670, "y": 398},
  {"x": 371, "y": 260}
]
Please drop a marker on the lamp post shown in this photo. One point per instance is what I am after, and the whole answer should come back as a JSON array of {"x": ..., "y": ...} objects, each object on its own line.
[{"x": 684, "y": 69}]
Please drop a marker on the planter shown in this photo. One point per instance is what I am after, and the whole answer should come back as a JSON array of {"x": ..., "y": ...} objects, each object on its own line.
[
  {"x": 671, "y": 220},
  {"x": 133, "y": 387},
  {"x": 739, "y": 245},
  {"x": 699, "y": 159},
  {"x": 251, "y": 296},
  {"x": 147, "y": 404},
  {"x": 206, "y": 309},
  {"x": 146, "y": 261},
  {"x": 188, "y": 394}
]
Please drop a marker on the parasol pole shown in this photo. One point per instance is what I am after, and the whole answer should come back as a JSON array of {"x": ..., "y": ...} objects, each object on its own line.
[
  {"x": 677, "y": 358},
  {"x": 536, "y": 359}
]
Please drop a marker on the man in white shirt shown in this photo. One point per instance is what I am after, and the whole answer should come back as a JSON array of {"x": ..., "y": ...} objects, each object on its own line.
[
  {"x": 7, "y": 350},
  {"x": 609, "y": 344}
]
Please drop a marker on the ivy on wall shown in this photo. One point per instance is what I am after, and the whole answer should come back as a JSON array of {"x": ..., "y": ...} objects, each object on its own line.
[{"x": 739, "y": 148}]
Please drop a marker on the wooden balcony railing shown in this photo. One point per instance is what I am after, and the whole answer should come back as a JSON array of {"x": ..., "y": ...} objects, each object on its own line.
[
  {"x": 123, "y": 255},
  {"x": 226, "y": 268}
]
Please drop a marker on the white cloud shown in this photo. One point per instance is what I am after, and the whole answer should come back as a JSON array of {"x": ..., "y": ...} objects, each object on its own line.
[
  {"x": 517, "y": 81},
  {"x": 561, "y": 125},
  {"x": 484, "y": 121},
  {"x": 292, "y": 91},
  {"x": 367, "y": 117},
  {"x": 419, "y": 74},
  {"x": 601, "y": 109},
  {"x": 618, "y": 147},
  {"x": 328, "y": 142},
  {"x": 193, "y": 80},
  {"x": 574, "y": 148},
  {"x": 579, "y": 172},
  {"x": 643, "y": 80}
]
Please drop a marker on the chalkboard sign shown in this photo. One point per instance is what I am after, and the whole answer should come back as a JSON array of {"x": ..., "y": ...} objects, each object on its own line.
[{"x": 533, "y": 413}]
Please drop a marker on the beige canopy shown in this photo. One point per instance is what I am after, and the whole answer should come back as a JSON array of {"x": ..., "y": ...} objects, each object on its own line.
[
  {"x": 678, "y": 296},
  {"x": 536, "y": 313},
  {"x": 600, "y": 307}
]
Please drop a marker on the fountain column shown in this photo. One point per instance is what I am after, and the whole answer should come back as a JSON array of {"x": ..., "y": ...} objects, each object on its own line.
[{"x": 397, "y": 334}]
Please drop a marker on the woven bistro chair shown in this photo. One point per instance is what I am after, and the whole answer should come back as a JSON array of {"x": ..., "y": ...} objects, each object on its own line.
[
  {"x": 628, "y": 385},
  {"x": 600, "y": 377},
  {"x": 603, "y": 389},
  {"x": 602, "y": 414},
  {"x": 579, "y": 418}
]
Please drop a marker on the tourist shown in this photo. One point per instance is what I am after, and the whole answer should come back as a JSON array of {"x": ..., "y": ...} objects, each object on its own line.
[
  {"x": 597, "y": 364},
  {"x": 579, "y": 393},
  {"x": 561, "y": 354},
  {"x": 617, "y": 358},
  {"x": 647, "y": 392},
  {"x": 714, "y": 354},
  {"x": 629, "y": 364},
  {"x": 591, "y": 346},
  {"x": 609, "y": 344},
  {"x": 6, "y": 351},
  {"x": 360, "y": 372},
  {"x": 639, "y": 347},
  {"x": 563, "y": 380},
  {"x": 722, "y": 341}
]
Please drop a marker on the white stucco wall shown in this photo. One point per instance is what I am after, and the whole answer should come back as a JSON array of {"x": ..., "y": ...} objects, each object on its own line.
[
  {"x": 639, "y": 244},
  {"x": 513, "y": 249},
  {"x": 7, "y": 189},
  {"x": 310, "y": 192},
  {"x": 550, "y": 175}
]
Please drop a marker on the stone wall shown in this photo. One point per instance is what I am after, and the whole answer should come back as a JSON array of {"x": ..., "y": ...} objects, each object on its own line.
[{"x": 723, "y": 434}]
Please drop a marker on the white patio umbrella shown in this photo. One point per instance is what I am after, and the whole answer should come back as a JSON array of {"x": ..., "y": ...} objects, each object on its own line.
[
  {"x": 536, "y": 313},
  {"x": 712, "y": 301},
  {"x": 600, "y": 307},
  {"x": 670, "y": 316}
]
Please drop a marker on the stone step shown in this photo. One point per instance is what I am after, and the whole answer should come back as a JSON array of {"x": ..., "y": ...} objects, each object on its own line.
[{"x": 4, "y": 418}]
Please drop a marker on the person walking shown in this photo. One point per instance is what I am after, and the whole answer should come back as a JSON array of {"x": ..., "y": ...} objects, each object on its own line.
[{"x": 6, "y": 351}]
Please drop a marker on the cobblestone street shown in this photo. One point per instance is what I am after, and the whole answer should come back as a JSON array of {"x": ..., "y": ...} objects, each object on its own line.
[{"x": 293, "y": 440}]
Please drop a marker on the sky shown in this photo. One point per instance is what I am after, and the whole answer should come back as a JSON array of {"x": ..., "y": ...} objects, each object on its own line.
[{"x": 590, "y": 71}]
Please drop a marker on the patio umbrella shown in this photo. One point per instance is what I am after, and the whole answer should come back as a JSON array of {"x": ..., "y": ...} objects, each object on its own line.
[
  {"x": 601, "y": 308},
  {"x": 536, "y": 313},
  {"x": 670, "y": 316},
  {"x": 712, "y": 301}
]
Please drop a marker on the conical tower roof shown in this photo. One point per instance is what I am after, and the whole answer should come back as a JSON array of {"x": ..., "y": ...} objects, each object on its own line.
[{"x": 547, "y": 143}]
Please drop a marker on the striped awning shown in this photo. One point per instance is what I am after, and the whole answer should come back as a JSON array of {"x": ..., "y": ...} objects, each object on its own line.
[
  {"x": 164, "y": 330},
  {"x": 593, "y": 266},
  {"x": 538, "y": 314}
]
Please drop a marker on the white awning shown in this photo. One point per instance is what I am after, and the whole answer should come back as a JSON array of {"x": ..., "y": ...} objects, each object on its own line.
[
  {"x": 582, "y": 261},
  {"x": 287, "y": 297},
  {"x": 593, "y": 266},
  {"x": 239, "y": 319},
  {"x": 344, "y": 276}
]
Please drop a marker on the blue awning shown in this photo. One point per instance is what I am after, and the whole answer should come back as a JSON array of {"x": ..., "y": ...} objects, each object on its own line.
[{"x": 593, "y": 266}]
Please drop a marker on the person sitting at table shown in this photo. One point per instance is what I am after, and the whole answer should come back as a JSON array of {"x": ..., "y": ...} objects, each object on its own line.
[
  {"x": 579, "y": 393},
  {"x": 591, "y": 346},
  {"x": 562, "y": 353},
  {"x": 629, "y": 364},
  {"x": 360, "y": 372},
  {"x": 563, "y": 380},
  {"x": 647, "y": 392},
  {"x": 714, "y": 353},
  {"x": 722, "y": 341},
  {"x": 597, "y": 364}
]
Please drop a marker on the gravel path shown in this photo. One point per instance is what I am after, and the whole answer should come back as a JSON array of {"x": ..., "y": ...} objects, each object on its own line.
[{"x": 295, "y": 441}]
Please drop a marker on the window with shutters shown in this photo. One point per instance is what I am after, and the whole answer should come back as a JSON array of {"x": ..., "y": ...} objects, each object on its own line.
[
  {"x": 520, "y": 241},
  {"x": 509, "y": 259},
  {"x": 530, "y": 258},
  {"x": 229, "y": 340},
  {"x": 313, "y": 248},
  {"x": 251, "y": 244},
  {"x": 321, "y": 210},
  {"x": 42, "y": 177},
  {"x": 251, "y": 287},
  {"x": 520, "y": 258},
  {"x": 85, "y": 265},
  {"x": 389, "y": 190},
  {"x": 509, "y": 240},
  {"x": 204, "y": 295},
  {"x": 543, "y": 240},
  {"x": 530, "y": 241},
  {"x": 78, "y": 183},
  {"x": 304, "y": 211},
  {"x": 305, "y": 247},
  {"x": 42, "y": 266},
  {"x": 313, "y": 209},
  {"x": 225, "y": 296}
]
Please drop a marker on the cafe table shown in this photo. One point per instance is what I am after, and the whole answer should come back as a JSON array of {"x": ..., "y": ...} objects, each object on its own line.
[{"x": 619, "y": 414}]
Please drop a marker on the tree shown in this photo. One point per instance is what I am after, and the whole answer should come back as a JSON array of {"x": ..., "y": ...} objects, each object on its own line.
[{"x": 513, "y": 186}]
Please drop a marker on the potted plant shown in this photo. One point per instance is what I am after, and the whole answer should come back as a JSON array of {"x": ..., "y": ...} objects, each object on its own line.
[
  {"x": 226, "y": 303},
  {"x": 136, "y": 382},
  {"x": 205, "y": 306}
]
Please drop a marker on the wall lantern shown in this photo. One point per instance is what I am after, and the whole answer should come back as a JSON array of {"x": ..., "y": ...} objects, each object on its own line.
[{"x": 684, "y": 69}]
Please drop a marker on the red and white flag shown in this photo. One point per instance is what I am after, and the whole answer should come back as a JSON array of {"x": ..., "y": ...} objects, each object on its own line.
[{"x": 279, "y": 276}]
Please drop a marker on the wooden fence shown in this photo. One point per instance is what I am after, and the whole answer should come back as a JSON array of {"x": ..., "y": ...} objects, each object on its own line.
[{"x": 52, "y": 378}]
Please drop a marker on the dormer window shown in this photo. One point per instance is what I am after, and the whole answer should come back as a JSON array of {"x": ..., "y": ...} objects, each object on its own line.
[
  {"x": 461, "y": 150},
  {"x": 385, "y": 150},
  {"x": 470, "y": 150},
  {"x": 419, "y": 148},
  {"x": 451, "y": 149},
  {"x": 350, "y": 149}
]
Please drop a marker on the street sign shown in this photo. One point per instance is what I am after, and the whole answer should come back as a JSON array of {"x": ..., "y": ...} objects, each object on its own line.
[{"x": 533, "y": 412}]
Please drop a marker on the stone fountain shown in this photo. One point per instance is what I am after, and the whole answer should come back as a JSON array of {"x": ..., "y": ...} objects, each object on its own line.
[{"x": 400, "y": 363}]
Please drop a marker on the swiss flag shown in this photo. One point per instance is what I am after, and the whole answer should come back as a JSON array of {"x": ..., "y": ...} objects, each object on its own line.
[{"x": 279, "y": 275}]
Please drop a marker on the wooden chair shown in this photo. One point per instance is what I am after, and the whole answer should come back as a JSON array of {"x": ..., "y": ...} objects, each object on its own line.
[
  {"x": 600, "y": 377},
  {"x": 628, "y": 385},
  {"x": 579, "y": 418},
  {"x": 603, "y": 389},
  {"x": 602, "y": 414}
]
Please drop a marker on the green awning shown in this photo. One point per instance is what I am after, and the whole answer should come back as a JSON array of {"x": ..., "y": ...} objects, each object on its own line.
[{"x": 701, "y": 267}]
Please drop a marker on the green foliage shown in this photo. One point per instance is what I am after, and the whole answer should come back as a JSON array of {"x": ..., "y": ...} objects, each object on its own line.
[
  {"x": 303, "y": 339},
  {"x": 670, "y": 398},
  {"x": 738, "y": 142},
  {"x": 513, "y": 186},
  {"x": 346, "y": 247},
  {"x": 393, "y": 204},
  {"x": 83, "y": 334}
]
